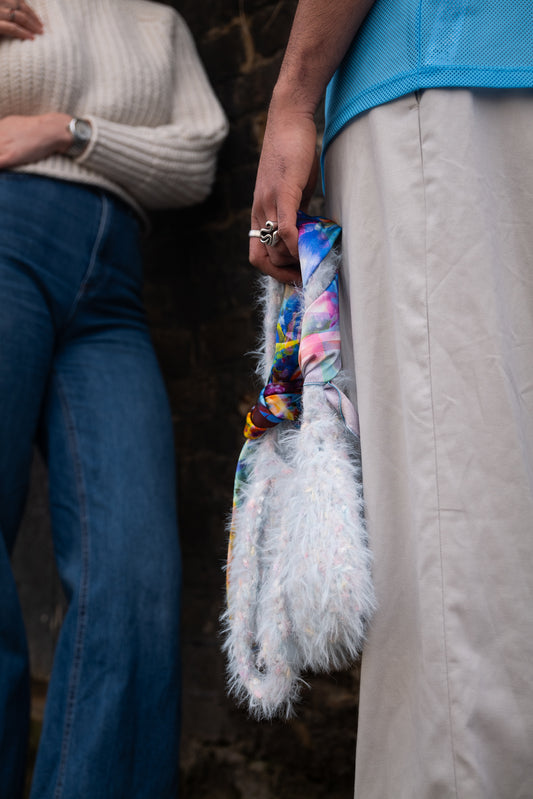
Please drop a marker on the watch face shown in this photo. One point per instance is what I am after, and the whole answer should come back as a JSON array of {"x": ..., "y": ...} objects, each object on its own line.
[
  {"x": 81, "y": 135},
  {"x": 82, "y": 130}
]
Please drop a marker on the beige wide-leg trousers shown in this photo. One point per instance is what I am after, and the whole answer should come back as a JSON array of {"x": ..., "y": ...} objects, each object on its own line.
[{"x": 435, "y": 195}]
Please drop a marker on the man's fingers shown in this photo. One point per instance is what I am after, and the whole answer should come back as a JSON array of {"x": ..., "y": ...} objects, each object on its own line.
[
  {"x": 288, "y": 233},
  {"x": 281, "y": 259},
  {"x": 288, "y": 274},
  {"x": 285, "y": 251},
  {"x": 278, "y": 255},
  {"x": 261, "y": 258}
]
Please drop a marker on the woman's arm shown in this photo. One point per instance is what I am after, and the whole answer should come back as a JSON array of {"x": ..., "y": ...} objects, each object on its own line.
[
  {"x": 320, "y": 36},
  {"x": 170, "y": 165},
  {"x": 26, "y": 139}
]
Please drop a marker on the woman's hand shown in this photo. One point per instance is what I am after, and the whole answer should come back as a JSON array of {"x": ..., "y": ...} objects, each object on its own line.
[
  {"x": 26, "y": 139},
  {"x": 18, "y": 20},
  {"x": 286, "y": 178}
]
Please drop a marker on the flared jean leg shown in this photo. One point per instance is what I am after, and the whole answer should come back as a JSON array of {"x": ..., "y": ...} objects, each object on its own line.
[
  {"x": 26, "y": 344},
  {"x": 112, "y": 721},
  {"x": 111, "y": 727},
  {"x": 77, "y": 366}
]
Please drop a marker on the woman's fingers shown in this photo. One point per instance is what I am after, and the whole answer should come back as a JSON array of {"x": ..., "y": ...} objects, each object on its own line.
[
  {"x": 19, "y": 21},
  {"x": 34, "y": 21},
  {"x": 12, "y": 31}
]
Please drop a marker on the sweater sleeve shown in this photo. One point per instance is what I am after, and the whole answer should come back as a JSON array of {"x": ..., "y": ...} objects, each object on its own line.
[{"x": 171, "y": 165}]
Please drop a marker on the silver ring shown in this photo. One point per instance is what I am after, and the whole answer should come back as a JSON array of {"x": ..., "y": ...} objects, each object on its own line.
[
  {"x": 12, "y": 14},
  {"x": 268, "y": 235}
]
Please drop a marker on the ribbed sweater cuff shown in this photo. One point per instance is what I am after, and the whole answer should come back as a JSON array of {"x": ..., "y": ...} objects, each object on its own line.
[{"x": 157, "y": 166}]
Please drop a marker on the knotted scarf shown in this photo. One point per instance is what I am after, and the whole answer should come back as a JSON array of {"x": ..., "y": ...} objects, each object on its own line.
[{"x": 299, "y": 590}]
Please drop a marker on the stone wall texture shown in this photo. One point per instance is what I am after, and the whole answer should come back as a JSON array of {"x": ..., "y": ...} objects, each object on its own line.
[{"x": 200, "y": 298}]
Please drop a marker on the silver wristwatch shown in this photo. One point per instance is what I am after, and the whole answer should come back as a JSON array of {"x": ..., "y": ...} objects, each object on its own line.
[{"x": 81, "y": 136}]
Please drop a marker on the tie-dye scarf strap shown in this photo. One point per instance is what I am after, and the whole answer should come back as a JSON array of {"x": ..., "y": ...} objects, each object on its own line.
[{"x": 299, "y": 591}]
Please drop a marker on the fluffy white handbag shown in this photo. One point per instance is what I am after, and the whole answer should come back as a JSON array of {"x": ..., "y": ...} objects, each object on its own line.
[{"x": 299, "y": 590}]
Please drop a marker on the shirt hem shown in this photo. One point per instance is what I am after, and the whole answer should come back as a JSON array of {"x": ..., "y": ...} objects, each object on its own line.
[{"x": 422, "y": 78}]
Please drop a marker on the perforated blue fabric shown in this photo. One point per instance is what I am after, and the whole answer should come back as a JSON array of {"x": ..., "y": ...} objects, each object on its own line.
[{"x": 405, "y": 45}]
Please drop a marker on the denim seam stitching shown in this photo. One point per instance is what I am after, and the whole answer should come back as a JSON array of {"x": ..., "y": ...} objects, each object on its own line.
[
  {"x": 92, "y": 260},
  {"x": 83, "y": 592}
]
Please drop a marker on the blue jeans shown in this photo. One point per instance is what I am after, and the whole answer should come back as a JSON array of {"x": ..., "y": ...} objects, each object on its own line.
[{"x": 78, "y": 374}]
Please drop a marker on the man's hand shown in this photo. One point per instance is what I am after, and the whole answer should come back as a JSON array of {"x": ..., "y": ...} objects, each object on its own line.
[
  {"x": 26, "y": 139},
  {"x": 286, "y": 179},
  {"x": 320, "y": 36},
  {"x": 18, "y": 20}
]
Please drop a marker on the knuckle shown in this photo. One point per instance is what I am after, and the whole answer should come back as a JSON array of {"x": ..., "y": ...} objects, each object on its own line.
[
  {"x": 281, "y": 259},
  {"x": 284, "y": 228}
]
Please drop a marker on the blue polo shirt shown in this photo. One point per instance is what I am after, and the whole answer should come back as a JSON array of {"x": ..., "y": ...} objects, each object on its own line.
[{"x": 404, "y": 45}]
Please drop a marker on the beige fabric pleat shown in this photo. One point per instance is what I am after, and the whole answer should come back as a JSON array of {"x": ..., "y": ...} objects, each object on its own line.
[{"x": 435, "y": 195}]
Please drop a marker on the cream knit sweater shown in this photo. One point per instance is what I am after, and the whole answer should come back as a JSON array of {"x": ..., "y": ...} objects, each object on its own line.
[{"x": 131, "y": 68}]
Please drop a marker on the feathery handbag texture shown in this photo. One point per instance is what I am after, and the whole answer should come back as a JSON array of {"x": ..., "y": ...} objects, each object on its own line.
[{"x": 299, "y": 589}]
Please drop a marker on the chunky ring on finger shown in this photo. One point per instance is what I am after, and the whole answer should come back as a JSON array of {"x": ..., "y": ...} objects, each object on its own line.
[
  {"x": 267, "y": 235},
  {"x": 12, "y": 14}
]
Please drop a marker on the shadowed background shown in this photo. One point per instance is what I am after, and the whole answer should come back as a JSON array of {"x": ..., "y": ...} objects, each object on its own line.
[{"x": 200, "y": 298}]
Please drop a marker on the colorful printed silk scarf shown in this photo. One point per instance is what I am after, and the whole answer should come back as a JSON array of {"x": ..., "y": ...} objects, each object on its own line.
[{"x": 298, "y": 573}]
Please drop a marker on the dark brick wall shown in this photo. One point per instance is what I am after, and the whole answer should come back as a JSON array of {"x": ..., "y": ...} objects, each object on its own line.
[{"x": 200, "y": 298}]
